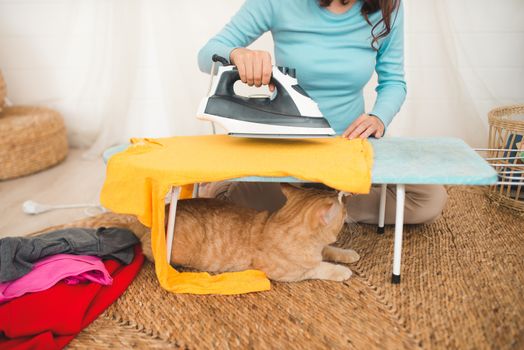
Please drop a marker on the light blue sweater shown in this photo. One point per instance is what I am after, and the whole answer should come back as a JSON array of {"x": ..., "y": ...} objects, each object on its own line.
[{"x": 332, "y": 54}]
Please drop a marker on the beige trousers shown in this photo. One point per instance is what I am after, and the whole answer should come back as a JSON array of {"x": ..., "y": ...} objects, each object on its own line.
[{"x": 423, "y": 204}]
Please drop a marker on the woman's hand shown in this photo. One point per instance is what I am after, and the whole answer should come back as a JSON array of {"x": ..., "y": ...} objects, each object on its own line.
[
  {"x": 253, "y": 66},
  {"x": 365, "y": 126}
]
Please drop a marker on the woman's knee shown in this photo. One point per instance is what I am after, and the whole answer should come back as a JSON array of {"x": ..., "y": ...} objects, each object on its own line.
[
  {"x": 428, "y": 204},
  {"x": 256, "y": 195}
]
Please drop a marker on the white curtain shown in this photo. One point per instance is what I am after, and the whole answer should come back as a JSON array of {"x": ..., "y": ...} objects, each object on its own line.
[
  {"x": 127, "y": 68},
  {"x": 462, "y": 59},
  {"x": 106, "y": 89}
]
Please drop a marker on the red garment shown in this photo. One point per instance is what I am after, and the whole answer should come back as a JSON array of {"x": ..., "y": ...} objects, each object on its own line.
[{"x": 52, "y": 318}]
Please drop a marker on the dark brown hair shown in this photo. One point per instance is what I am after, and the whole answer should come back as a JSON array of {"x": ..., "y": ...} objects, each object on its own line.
[{"x": 387, "y": 7}]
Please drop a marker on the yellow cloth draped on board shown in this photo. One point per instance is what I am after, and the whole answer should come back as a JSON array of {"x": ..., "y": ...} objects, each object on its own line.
[{"x": 138, "y": 180}]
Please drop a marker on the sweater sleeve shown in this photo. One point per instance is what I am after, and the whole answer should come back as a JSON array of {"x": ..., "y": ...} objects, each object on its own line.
[
  {"x": 253, "y": 19},
  {"x": 391, "y": 89}
]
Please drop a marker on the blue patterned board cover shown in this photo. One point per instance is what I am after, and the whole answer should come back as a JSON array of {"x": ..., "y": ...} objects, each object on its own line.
[{"x": 409, "y": 160}]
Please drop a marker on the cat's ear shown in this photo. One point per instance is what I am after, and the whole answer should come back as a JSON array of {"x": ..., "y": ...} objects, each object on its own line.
[
  {"x": 328, "y": 213},
  {"x": 288, "y": 190},
  {"x": 343, "y": 197}
]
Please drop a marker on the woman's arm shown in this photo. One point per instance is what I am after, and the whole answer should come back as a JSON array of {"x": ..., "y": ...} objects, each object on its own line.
[
  {"x": 391, "y": 89},
  {"x": 253, "y": 19}
]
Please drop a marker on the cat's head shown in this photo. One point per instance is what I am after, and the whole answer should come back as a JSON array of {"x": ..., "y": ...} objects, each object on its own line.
[{"x": 321, "y": 212}]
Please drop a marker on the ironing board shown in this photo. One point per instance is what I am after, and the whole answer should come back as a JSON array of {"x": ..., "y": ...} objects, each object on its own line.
[{"x": 397, "y": 161}]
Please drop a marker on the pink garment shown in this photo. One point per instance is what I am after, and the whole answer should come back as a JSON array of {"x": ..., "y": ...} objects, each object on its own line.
[{"x": 73, "y": 269}]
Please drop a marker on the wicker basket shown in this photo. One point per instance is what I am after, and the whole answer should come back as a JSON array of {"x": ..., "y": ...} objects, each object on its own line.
[
  {"x": 31, "y": 139},
  {"x": 506, "y": 141},
  {"x": 3, "y": 92}
]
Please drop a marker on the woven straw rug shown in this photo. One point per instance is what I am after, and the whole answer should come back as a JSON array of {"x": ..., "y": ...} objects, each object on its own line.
[{"x": 462, "y": 287}]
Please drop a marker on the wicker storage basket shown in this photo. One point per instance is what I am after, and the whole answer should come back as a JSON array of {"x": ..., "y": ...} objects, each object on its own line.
[
  {"x": 506, "y": 141},
  {"x": 31, "y": 139},
  {"x": 3, "y": 91}
]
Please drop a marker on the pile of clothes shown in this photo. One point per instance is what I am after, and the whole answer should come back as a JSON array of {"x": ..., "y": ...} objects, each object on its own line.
[{"x": 55, "y": 284}]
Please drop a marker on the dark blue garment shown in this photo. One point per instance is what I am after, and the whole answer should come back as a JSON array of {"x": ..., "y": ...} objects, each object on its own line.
[{"x": 17, "y": 254}]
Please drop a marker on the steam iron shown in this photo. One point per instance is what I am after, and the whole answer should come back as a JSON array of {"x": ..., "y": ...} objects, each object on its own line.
[{"x": 289, "y": 113}]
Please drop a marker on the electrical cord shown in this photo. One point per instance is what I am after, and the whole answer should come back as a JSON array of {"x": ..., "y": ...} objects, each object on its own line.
[{"x": 34, "y": 208}]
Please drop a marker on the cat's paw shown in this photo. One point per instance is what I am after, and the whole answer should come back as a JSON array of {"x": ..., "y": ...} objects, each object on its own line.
[
  {"x": 340, "y": 273},
  {"x": 349, "y": 256},
  {"x": 335, "y": 254},
  {"x": 329, "y": 272}
]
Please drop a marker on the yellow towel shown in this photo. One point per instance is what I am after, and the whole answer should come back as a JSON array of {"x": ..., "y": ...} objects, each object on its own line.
[{"x": 139, "y": 178}]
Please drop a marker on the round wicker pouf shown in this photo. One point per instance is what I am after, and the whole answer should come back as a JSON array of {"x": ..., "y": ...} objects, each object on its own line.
[{"x": 31, "y": 139}]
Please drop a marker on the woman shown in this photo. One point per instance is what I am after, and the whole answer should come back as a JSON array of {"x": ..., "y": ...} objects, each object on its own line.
[{"x": 334, "y": 45}]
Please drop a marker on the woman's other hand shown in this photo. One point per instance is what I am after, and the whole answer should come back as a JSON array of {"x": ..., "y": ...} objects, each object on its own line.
[
  {"x": 253, "y": 66},
  {"x": 365, "y": 126}
]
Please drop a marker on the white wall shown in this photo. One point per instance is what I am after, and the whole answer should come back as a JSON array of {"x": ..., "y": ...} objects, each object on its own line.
[{"x": 129, "y": 66}]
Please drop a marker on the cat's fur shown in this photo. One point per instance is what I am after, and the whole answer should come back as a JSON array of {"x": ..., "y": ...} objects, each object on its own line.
[{"x": 291, "y": 244}]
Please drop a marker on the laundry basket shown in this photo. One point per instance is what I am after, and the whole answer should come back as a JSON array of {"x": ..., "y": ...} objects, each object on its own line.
[
  {"x": 506, "y": 155},
  {"x": 31, "y": 139},
  {"x": 3, "y": 91}
]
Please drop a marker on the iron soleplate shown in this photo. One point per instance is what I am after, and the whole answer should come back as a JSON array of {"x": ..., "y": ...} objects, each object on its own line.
[{"x": 281, "y": 136}]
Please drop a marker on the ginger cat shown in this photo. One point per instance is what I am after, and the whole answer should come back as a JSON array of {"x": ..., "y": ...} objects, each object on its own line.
[{"x": 289, "y": 245}]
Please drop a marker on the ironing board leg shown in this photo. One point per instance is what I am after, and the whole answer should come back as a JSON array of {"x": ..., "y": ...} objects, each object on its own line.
[
  {"x": 382, "y": 209},
  {"x": 174, "y": 194},
  {"x": 399, "y": 227},
  {"x": 196, "y": 189}
]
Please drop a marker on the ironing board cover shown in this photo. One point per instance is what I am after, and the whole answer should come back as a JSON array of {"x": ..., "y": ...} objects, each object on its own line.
[{"x": 138, "y": 180}]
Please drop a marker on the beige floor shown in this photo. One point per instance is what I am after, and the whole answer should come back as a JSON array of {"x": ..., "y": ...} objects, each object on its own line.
[{"x": 76, "y": 180}]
